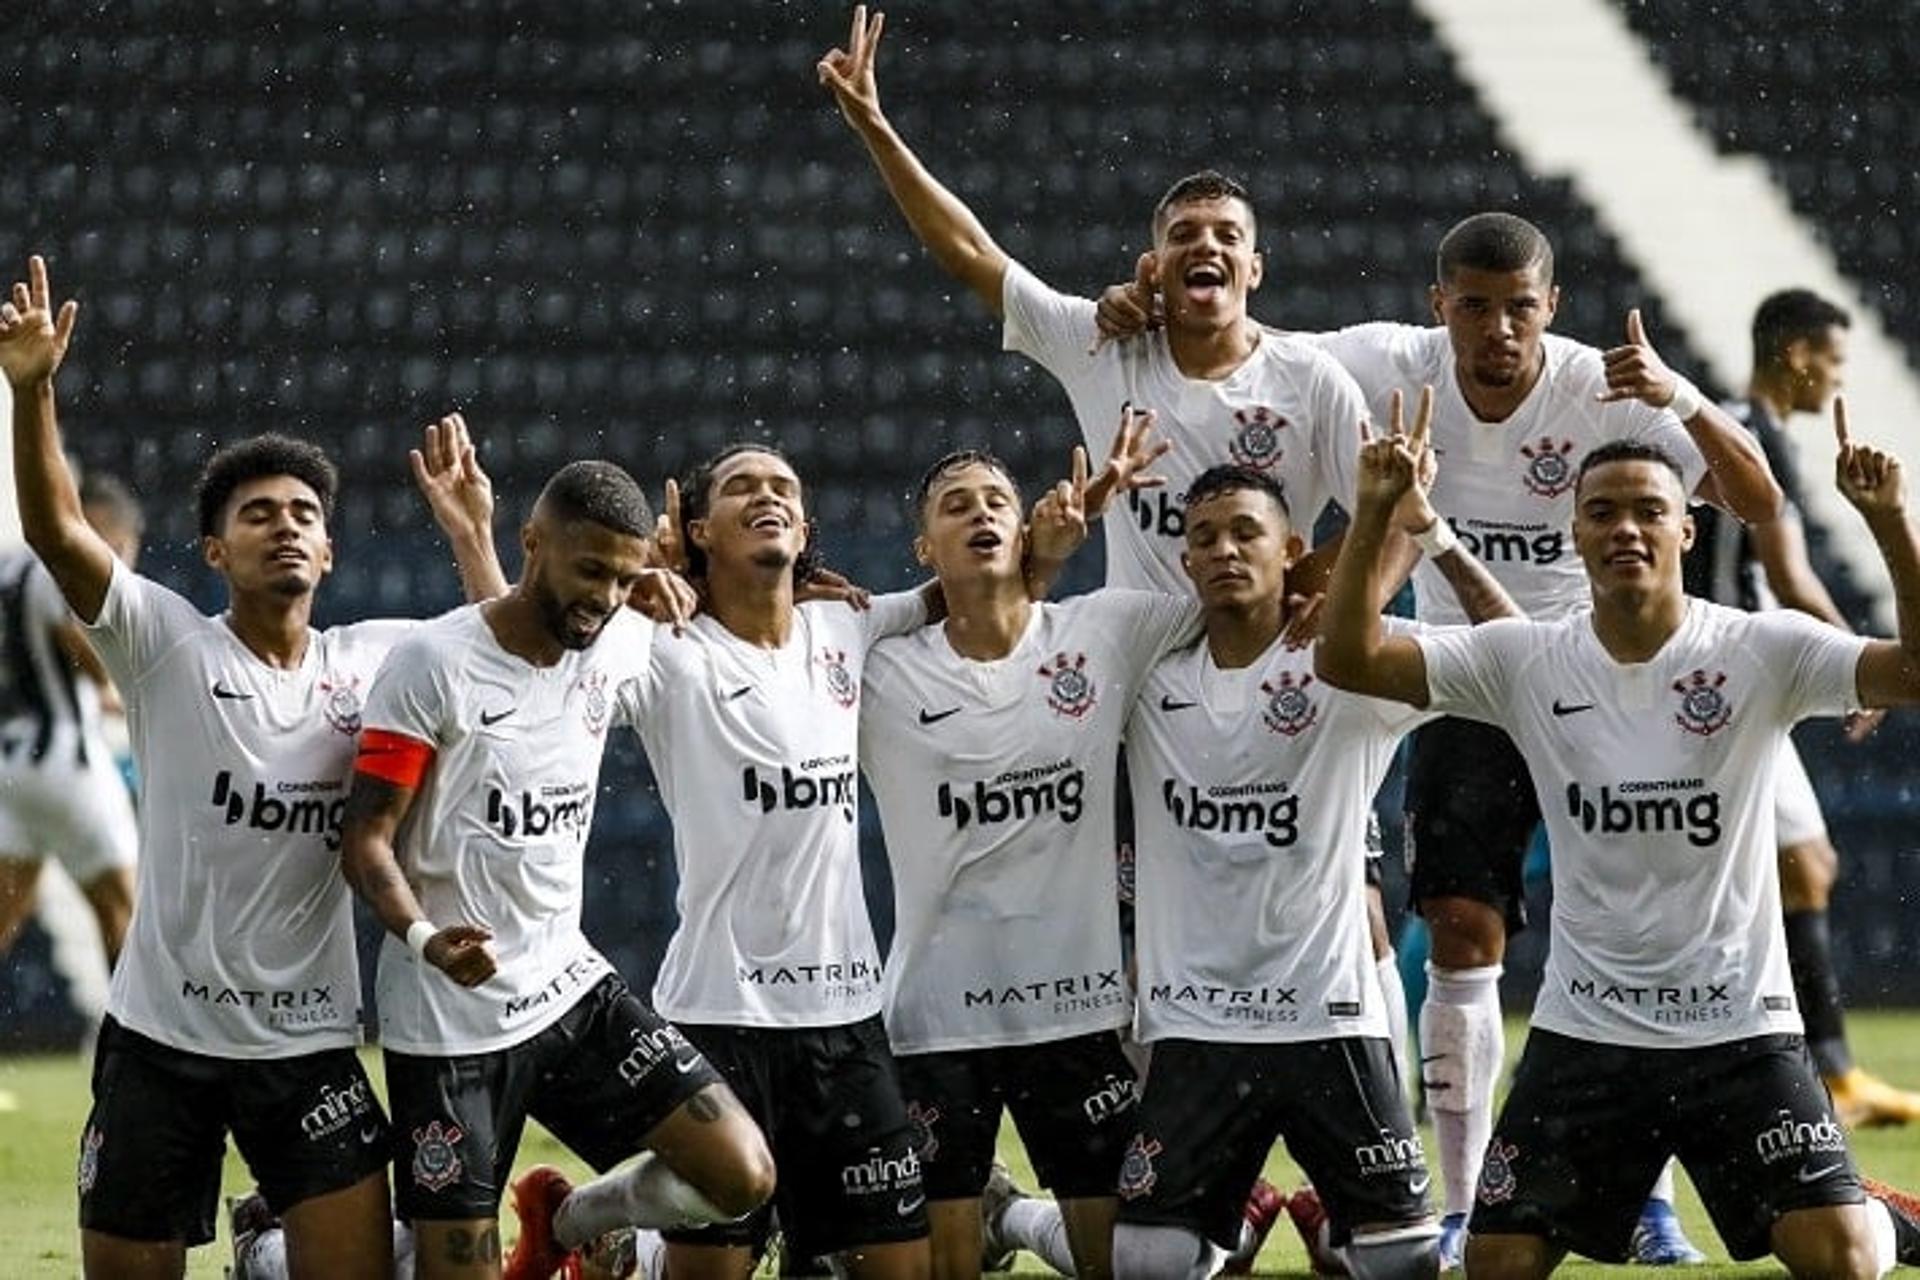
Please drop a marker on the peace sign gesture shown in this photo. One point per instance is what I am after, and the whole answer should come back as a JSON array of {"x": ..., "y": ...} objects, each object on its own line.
[
  {"x": 33, "y": 338},
  {"x": 849, "y": 72}
]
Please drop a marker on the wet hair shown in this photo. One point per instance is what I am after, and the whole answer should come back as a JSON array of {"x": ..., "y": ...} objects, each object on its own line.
[
  {"x": 1208, "y": 184},
  {"x": 109, "y": 495},
  {"x": 696, "y": 500},
  {"x": 256, "y": 458},
  {"x": 600, "y": 493},
  {"x": 1628, "y": 451},
  {"x": 1494, "y": 242},
  {"x": 958, "y": 460},
  {"x": 1789, "y": 315},
  {"x": 1231, "y": 477}
]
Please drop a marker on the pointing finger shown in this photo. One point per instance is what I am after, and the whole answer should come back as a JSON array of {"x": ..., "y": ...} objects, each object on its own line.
[
  {"x": 1079, "y": 470},
  {"x": 1840, "y": 423}
]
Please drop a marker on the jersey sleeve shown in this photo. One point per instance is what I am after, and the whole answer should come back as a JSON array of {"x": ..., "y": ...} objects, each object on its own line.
[
  {"x": 139, "y": 621},
  {"x": 1369, "y": 354},
  {"x": 893, "y": 614},
  {"x": 1339, "y": 408},
  {"x": 1660, "y": 427},
  {"x": 1055, "y": 329},
  {"x": 45, "y": 606},
  {"x": 1821, "y": 663},
  {"x": 410, "y": 695},
  {"x": 1150, "y": 625},
  {"x": 1469, "y": 668}
]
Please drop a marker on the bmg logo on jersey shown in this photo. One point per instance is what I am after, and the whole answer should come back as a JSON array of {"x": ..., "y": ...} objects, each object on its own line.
[
  {"x": 1016, "y": 796},
  {"x": 1155, "y": 511},
  {"x": 560, "y": 808},
  {"x": 1791, "y": 1138},
  {"x": 300, "y": 808},
  {"x": 1647, "y": 808},
  {"x": 1267, "y": 809},
  {"x": 818, "y": 784},
  {"x": 1498, "y": 542}
]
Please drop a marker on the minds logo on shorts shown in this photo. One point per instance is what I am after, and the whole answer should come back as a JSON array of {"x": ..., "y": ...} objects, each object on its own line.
[
  {"x": 1657, "y": 806},
  {"x": 340, "y": 1107},
  {"x": 1394, "y": 1153},
  {"x": 881, "y": 1174},
  {"x": 1269, "y": 810},
  {"x": 1016, "y": 796},
  {"x": 1791, "y": 1138},
  {"x": 311, "y": 808},
  {"x": 817, "y": 784}
]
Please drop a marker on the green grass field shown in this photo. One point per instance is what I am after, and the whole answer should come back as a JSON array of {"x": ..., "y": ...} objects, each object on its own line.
[{"x": 38, "y": 1147}]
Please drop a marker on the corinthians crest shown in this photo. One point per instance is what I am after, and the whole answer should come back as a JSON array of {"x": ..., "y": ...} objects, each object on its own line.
[
  {"x": 435, "y": 1162},
  {"x": 595, "y": 708},
  {"x": 341, "y": 705},
  {"x": 1070, "y": 690},
  {"x": 1137, "y": 1174},
  {"x": 1549, "y": 468},
  {"x": 840, "y": 683},
  {"x": 1289, "y": 709},
  {"x": 1704, "y": 709},
  {"x": 1257, "y": 441}
]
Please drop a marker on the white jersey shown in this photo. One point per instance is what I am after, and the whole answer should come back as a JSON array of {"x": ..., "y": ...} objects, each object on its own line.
[
  {"x": 1507, "y": 487},
  {"x": 1251, "y": 790},
  {"x": 242, "y": 938},
  {"x": 1288, "y": 410},
  {"x": 49, "y": 712},
  {"x": 1656, "y": 780},
  {"x": 755, "y": 752},
  {"x": 497, "y": 835},
  {"x": 995, "y": 783}
]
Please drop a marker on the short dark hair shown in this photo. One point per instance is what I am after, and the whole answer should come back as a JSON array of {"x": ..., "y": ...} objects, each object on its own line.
[
  {"x": 601, "y": 493},
  {"x": 1493, "y": 242},
  {"x": 109, "y": 494},
  {"x": 1208, "y": 184},
  {"x": 1232, "y": 477},
  {"x": 952, "y": 462},
  {"x": 271, "y": 454},
  {"x": 696, "y": 500},
  {"x": 1791, "y": 314},
  {"x": 1628, "y": 451}
]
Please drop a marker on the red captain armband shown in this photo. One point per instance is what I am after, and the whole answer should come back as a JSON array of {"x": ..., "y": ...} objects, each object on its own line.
[{"x": 393, "y": 757}]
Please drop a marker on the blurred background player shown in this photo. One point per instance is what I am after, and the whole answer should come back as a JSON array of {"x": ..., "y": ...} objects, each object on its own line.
[
  {"x": 1799, "y": 355},
  {"x": 62, "y": 794}
]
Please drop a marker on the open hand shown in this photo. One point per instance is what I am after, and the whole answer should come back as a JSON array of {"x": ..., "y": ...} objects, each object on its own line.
[{"x": 33, "y": 337}]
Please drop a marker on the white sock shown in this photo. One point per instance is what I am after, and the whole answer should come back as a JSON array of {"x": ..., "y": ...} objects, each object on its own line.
[
  {"x": 1394, "y": 993},
  {"x": 1034, "y": 1223},
  {"x": 644, "y": 1192},
  {"x": 402, "y": 1251},
  {"x": 1663, "y": 1185},
  {"x": 650, "y": 1254},
  {"x": 1461, "y": 1045}
]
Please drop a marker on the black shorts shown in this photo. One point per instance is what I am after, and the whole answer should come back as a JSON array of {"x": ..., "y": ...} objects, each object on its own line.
[
  {"x": 828, "y": 1100},
  {"x": 600, "y": 1079},
  {"x": 1471, "y": 811},
  {"x": 1212, "y": 1111},
  {"x": 1072, "y": 1101},
  {"x": 150, "y": 1156},
  {"x": 1588, "y": 1125}
]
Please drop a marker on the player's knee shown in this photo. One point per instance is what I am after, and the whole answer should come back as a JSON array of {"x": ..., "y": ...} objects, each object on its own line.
[
  {"x": 1142, "y": 1252},
  {"x": 1827, "y": 1244},
  {"x": 1403, "y": 1253},
  {"x": 1467, "y": 934},
  {"x": 1808, "y": 869},
  {"x": 746, "y": 1181},
  {"x": 1509, "y": 1257}
]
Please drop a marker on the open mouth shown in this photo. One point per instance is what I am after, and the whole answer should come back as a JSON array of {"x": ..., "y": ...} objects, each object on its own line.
[
  {"x": 1205, "y": 282},
  {"x": 986, "y": 540},
  {"x": 770, "y": 522}
]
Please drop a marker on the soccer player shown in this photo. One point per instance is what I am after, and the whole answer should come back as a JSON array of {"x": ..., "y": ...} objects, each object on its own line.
[
  {"x": 990, "y": 742},
  {"x": 235, "y": 1007},
  {"x": 1252, "y": 783},
  {"x": 1515, "y": 407},
  {"x": 750, "y": 720},
  {"x": 61, "y": 791},
  {"x": 1799, "y": 351},
  {"x": 1666, "y": 1023},
  {"x": 479, "y": 764}
]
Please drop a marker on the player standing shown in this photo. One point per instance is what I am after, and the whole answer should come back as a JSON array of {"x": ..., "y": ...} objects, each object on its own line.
[
  {"x": 1666, "y": 1022},
  {"x": 236, "y": 1006}
]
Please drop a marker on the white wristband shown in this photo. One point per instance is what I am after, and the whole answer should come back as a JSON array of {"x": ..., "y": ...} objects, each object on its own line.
[
  {"x": 1436, "y": 539},
  {"x": 1686, "y": 401},
  {"x": 417, "y": 935}
]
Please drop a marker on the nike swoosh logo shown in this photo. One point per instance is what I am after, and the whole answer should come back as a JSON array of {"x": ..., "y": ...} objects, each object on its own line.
[
  {"x": 908, "y": 1204},
  {"x": 1419, "y": 1185},
  {"x": 1568, "y": 708},
  {"x": 741, "y": 692},
  {"x": 491, "y": 718},
  {"x": 1803, "y": 1175},
  {"x": 935, "y": 717},
  {"x": 370, "y": 1136},
  {"x": 685, "y": 1065},
  {"x": 220, "y": 690},
  {"x": 1168, "y": 704}
]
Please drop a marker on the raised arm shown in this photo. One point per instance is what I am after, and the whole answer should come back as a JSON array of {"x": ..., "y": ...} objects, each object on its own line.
[
  {"x": 33, "y": 342},
  {"x": 459, "y": 493},
  {"x": 1355, "y": 652},
  {"x": 1738, "y": 477},
  {"x": 944, "y": 225},
  {"x": 1889, "y": 671},
  {"x": 376, "y": 806},
  {"x": 1057, "y": 525}
]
